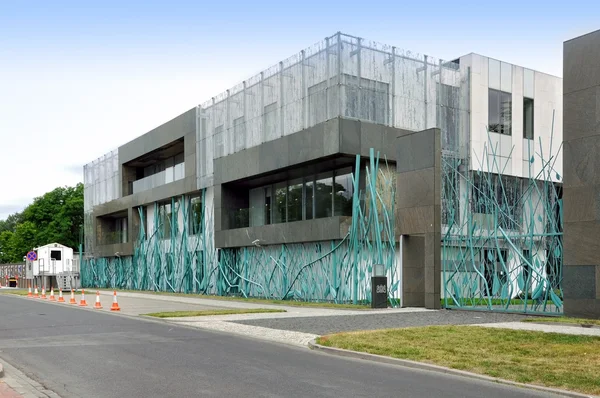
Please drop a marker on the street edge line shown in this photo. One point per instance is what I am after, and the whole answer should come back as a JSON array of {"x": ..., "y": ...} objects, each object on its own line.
[{"x": 313, "y": 345}]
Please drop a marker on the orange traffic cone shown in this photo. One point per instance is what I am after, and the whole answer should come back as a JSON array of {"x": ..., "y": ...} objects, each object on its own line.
[
  {"x": 82, "y": 303},
  {"x": 43, "y": 297},
  {"x": 30, "y": 295},
  {"x": 98, "y": 305},
  {"x": 115, "y": 304},
  {"x": 35, "y": 294},
  {"x": 72, "y": 301},
  {"x": 52, "y": 293},
  {"x": 61, "y": 299}
]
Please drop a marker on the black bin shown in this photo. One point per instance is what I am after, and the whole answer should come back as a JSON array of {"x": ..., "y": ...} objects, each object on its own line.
[{"x": 379, "y": 293}]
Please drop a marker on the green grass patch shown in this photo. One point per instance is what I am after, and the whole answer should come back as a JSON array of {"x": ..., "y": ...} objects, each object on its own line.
[
  {"x": 179, "y": 314},
  {"x": 293, "y": 303},
  {"x": 549, "y": 359},
  {"x": 563, "y": 319}
]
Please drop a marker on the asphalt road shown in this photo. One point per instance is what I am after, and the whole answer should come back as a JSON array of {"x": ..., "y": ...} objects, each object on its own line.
[{"x": 82, "y": 353}]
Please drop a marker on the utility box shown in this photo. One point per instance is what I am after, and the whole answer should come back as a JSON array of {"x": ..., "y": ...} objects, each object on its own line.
[{"x": 379, "y": 292}]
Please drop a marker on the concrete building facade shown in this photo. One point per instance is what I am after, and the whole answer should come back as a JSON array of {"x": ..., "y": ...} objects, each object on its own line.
[
  {"x": 581, "y": 63},
  {"x": 264, "y": 190}
]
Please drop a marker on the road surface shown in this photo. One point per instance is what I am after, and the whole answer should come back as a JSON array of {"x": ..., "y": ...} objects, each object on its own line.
[{"x": 82, "y": 353}]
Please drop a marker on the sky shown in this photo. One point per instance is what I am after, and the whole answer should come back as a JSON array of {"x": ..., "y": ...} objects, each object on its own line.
[{"x": 79, "y": 80}]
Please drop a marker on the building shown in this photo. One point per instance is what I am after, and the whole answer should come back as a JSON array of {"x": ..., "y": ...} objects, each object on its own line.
[
  {"x": 296, "y": 182},
  {"x": 581, "y": 86},
  {"x": 55, "y": 266}
]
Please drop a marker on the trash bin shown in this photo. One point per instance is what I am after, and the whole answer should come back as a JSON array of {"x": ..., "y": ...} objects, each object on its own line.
[{"x": 379, "y": 292}]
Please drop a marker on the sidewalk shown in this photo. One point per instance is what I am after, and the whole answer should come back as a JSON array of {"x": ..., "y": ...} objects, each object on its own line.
[
  {"x": 15, "y": 384},
  {"x": 546, "y": 328}
]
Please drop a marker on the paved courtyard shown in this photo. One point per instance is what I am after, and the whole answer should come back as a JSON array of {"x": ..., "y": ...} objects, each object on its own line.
[{"x": 341, "y": 323}]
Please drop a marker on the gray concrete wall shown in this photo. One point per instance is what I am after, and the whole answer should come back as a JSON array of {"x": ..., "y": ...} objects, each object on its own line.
[
  {"x": 418, "y": 216},
  {"x": 321, "y": 229},
  {"x": 183, "y": 125},
  {"x": 334, "y": 137},
  {"x": 581, "y": 194}
]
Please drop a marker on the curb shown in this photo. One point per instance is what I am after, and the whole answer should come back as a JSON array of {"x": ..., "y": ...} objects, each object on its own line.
[{"x": 436, "y": 368}]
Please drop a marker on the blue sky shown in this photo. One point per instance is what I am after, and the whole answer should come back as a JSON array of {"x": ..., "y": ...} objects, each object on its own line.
[{"x": 77, "y": 80}]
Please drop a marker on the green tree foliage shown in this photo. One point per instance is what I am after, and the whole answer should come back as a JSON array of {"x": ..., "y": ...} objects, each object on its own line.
[{"x": 55, "y": 217}]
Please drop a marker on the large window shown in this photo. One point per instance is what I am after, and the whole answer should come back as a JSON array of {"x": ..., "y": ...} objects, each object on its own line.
[
  {"x": 528, "y": 118},
  {"x": 294, "y": 201},
  {"x": 165, "y": 212},
  {"x": 280, "y": 204},
  {"x": 343, "y": 192},
  {"x": 195, "y": 223},
  {"x": 323, "y": 195},
  {"x": 499, "y": 112}
]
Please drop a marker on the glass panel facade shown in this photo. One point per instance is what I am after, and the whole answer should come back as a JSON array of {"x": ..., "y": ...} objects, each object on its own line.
[
  {"x": 294, "y": 201},
  {"x": 309, "y": 198},
  {"x": 324, "y": 195},
  {"x": 165, "y": 212},
  {"x": 280, "y": 204},
  {"x": 343, "y": 191}
]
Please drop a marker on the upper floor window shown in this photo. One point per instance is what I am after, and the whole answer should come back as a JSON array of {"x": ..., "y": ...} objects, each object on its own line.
[
  {"x": 499, "y": 112},
  {"x": 528, "y": 118}
]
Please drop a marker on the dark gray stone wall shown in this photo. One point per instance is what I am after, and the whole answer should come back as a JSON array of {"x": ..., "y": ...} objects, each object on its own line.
[
  {"x": 321, "y": 229},
  {"x": 183, "y": 125},
  {"x": 335, "y": 137},
  {"x": 581, "y": 163},
  {"x": 418, "y": 217}
]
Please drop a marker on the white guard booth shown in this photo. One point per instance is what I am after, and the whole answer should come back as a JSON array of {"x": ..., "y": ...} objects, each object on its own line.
[{"x": 55, "y": 267}]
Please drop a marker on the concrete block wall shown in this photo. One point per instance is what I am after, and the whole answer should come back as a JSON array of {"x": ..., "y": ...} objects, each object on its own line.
[
  {"x": 418, "y": 217},
  {"x": 581, "y": 195}
]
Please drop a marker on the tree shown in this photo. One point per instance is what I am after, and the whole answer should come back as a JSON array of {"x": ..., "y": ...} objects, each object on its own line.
[
  {"x": 10, "y": 223},
  {"x": 57, "y": 216}
]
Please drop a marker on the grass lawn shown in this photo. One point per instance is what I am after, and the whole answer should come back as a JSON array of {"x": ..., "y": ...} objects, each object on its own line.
[
  {"x": 177, "y": 314},
  {"x": 562, "y": 319},
  {"x": 253, "y": 300},
  {"x": 548, "y": 359}
]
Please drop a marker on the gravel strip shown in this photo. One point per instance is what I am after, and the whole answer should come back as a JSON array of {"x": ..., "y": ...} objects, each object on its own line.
[{"x": 334, "y": 324}]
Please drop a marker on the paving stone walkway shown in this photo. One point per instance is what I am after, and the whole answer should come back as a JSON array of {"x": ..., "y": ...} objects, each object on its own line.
[{"x": 343, "y": 323}]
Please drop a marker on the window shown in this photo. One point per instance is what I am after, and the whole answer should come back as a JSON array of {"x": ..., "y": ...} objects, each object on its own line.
[
  {"x": 164, "y": 219},
  {"x": 195, "y": 216},
  {"x": 239, "y": 132},
  {"x": 55, "y": 255},
  {"x": 343, "y": 192},
  {"x": 279, "y": 208},
  {"x": 309, "y": 198},
  {"x": 323, "y": 195},
  {"x": 268, "y": 203},
  {"x": 528, "y": 118},
  {"x": 499, "y": 112},
  {"x": 294, "y": 201}
]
